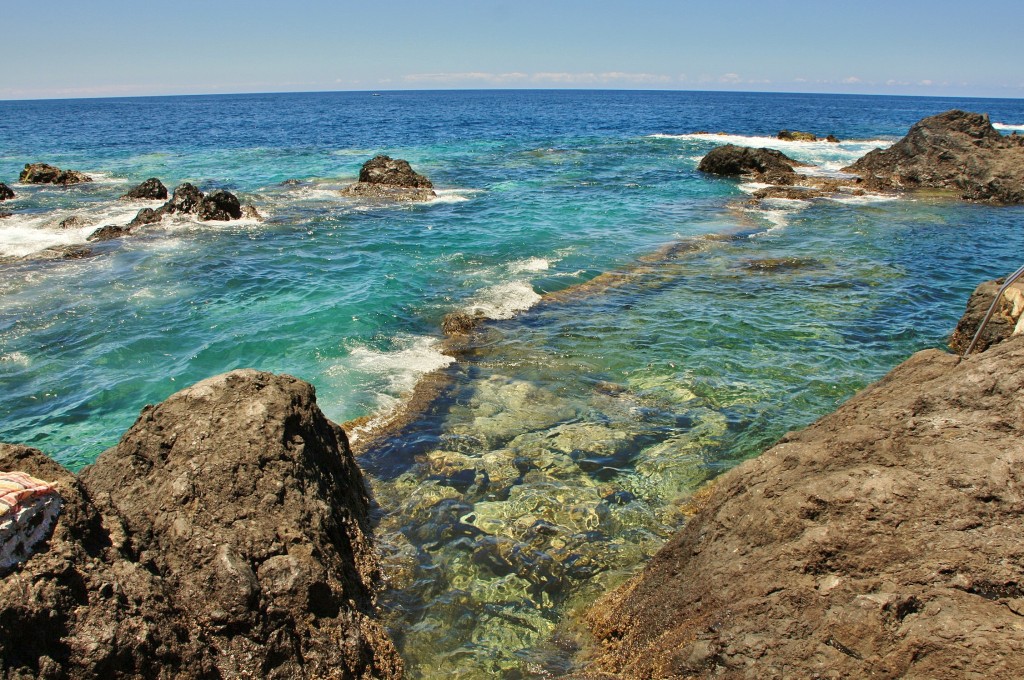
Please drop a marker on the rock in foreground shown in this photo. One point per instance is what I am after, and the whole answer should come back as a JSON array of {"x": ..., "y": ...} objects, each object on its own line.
[
  {"x": 6, "y": 192},
  {"x": 226, "y": 535},
  {"x": 954, "y": 150},
  {"x": 41, "y": 173},
  {"x": 883, "y": 541},
  {"x": 1007, "y": 319},
  {"x": 391, "y": 179}
]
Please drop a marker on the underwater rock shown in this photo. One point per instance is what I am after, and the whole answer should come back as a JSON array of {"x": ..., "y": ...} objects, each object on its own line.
[
  {"x": 954, "y": 150},
  {"x": 226, "y": 535},
  {"x": 6, "y": 192},
  {"x": 41, "y": 173},
  {"x": 151, "y": 190},
  {"x": 1007, "y": 321},
  {"x": 391, "y": 179},
  {"x": 777, "y": 264},
  {"x": 884, "y": 539},
  {"x": 734, "y": 161}
]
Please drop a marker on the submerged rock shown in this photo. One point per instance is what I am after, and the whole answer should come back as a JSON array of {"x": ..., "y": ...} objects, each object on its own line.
[
  {"x": 883, "y": 540},
  {"x": 734, "y": 161},
  {"x": 152, "y": 190},
  {"x": 42, "y": 173},
  {"x": 6, "y": 192},
  {"x": 954, "y": 150},
  {"x": 392, "y": 179},
  {"x": 226, "y": 535},
  {"x": 461, "y": 323}
]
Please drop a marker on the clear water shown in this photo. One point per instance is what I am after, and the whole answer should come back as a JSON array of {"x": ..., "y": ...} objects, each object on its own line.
[{"x": 631, "y": 357}]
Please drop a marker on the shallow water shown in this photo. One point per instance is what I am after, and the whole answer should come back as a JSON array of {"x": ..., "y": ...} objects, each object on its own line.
[{"x": 629, "y": 358}]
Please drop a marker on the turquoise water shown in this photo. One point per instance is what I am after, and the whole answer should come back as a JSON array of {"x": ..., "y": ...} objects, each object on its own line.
[{"x": 629, "y": 358}]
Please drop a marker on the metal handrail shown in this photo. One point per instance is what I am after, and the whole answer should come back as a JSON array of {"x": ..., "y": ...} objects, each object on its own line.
[{"x": 992, "y": 308}]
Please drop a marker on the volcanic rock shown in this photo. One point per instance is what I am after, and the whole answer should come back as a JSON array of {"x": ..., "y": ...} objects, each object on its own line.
[
  {"x": 391, "y": 179},
  {"x": 882, "y": 541},
  {"x": 797, "y": 136},
  {"x": 955, "y": 150},
  {"x": 1006, "y": 321},
  {"x": 109, "y": 232},
  {"x": 152, "y": 190},
  {"x": 733, "y": 161},
  {"x": 5, "y": 192},
  {"x": 186, "y": 200},
  {"x": 72, "y": 222},
  {"x": 226, "y": 535},
  {"x": 220, "y": 205},
  {"x": 461, "y": 323},
  {"x": 145, "y": 216},
  {"x": 41, "y": 173}
]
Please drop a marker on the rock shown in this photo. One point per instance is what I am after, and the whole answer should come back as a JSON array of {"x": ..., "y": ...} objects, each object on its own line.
[
  {"x": 1006, "y": 321},
  {"x": 6, "y": 192},
  {"x": 796, "y": 136},
  {"x": 226, "y": 535},
  {"x": 250, "y": 212},
  {"x": 955, "y": 150},
  {"x": 41, "y": 173},
  {"x": 392, "y": 172},
  {"x": 797, "y": 193},
  {"x": 833, "y": 139},
  {"x": 461, "y": 323},
  {"x": 882, "y": 541},
  {"x": 151, "y": 190},
  {"x": 144, "y": 217},
  {"x": 72, "y": 222},
  {"x": 221, "y": 206},
  {"x": 392, "y": 179},
  {"x": 109, "y": 232},
  {"x": 61, "y": 253},
  {"x": 733, "y": 161},
  {"x": 186, "y": 200},
  {"x": 5, "y": 214}
]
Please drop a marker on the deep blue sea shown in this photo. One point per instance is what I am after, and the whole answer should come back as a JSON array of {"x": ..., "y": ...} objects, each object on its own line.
[{"x": 650, "y": 326}]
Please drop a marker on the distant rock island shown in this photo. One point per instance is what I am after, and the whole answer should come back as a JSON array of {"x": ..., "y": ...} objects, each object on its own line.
[{"x": 392, "y": 179}]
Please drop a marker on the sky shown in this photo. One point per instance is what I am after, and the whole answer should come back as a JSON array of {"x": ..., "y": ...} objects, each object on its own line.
[{"x": 66, "y": 48}]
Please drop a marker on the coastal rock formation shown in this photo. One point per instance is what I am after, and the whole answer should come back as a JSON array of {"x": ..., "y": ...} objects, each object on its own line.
[
  {"x": 226, "y": 535},
  {"x": 108, "y": 232},
  {"x": 221, "y": 206},
  {"x": 392, "y": 179},
  {"x": 144, "y": 217},
  {"x": 186, "y": 199},
  {"x": 955, "y": 150},
  {"x": 1007, "y": 321},
  {"x": 6, "y": 192},
  {"x": 797, "y": 136},
  {"x": 72, "y": 222},
  {"x": 151, "y": 190},
  {"x": 734, "y": 161},
  {"x": 41, "y": 173},
  {"x": 882, "y": 541}
]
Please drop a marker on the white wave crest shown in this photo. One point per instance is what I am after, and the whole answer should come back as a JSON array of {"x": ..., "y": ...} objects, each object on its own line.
[
  {"x": 401, "y": 368},
  {"x": 504, "y": 300},
  {"x": 22, "y": 234},
  {"x": 1007, "y": 126},
  {"x": 531, "y": 264}
]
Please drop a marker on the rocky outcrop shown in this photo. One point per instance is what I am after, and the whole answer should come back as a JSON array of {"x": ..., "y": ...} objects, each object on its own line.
[
  {"x": 797, "y": 136},
  {"x": 150, "y": 190},
  {"x": 109, "y": 232},
  {"x": 882, "y": 541},
  {"x": 186, "y": 199},
  {"x": 144, "y": 217},
  {"x": 955, "y": 150},
  {"x": 226, "y": 535},
  {"x": 72, "y": 222},
  {"x": 392, "y": 179},
  {"x": 6, "y": 193},
  {"x": 730, "y": 160},
  {"x": 41, "y": 173},
  {"x": 1006, "y": 321},
  {"x": 221, "y": 206}
]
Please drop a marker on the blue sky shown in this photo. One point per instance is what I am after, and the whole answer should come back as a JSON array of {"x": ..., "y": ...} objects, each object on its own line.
[{"x": 122, "y": 47}]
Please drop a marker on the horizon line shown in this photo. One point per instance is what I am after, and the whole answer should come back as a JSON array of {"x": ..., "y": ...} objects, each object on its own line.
[{"x": 87, "y": 97}]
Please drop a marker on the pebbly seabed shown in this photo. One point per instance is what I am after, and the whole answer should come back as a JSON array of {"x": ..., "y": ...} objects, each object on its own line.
[{"x": 649, "y": 327}]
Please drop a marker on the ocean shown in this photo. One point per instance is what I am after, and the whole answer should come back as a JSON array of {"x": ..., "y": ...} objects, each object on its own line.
[{"x": 649, "y": 327}]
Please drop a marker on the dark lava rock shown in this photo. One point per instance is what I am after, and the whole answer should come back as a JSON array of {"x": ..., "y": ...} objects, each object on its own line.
[
  {"x": 733, "y": 161},
  {"x": 5, "y": 192},
  {"x": 220, "y": 205},
  {"x": 72, "y": 222},
  {"x": 71, "y": 252},
  {"x": 225, "y": 536},
  {"x": 145, "y": 216},
  {"x": 797, "y": 136},
  {"x": 1004, "y": 321},
  {"x": 186, "y": 200},
  {"x": 152, "y": 189},
  {"x": 108, "y": 233},
  {"x": 833, "y": 139},
  {"x": 392, "y": 172},
  {"x": 41, "y": 173},
  {"x": 955, "y": 150},
  {"x": 882, "y": 541},
  {"x": 250, "y": 212},
  {"x": 391, "y": 179}
]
